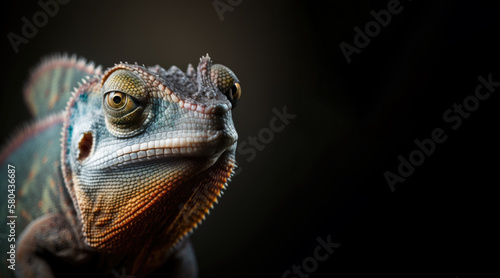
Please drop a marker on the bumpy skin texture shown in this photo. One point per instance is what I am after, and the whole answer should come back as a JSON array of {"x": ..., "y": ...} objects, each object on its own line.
[{"x": 142, "y": 156}]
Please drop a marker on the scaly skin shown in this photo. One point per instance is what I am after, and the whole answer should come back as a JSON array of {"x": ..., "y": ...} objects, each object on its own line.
[{"x": 143, "y": 155}]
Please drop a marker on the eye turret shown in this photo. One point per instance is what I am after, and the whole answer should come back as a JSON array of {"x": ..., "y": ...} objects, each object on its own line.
[
  {"x": 124, "y": 101},
  {"x": 227, "y": 82}
]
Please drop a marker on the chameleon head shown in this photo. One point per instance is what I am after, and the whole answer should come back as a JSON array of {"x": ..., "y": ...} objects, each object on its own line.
[{"x": 146, "y": 151}]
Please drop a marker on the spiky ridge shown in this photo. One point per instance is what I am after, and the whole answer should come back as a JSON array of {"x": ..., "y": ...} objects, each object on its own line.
[
  {"x": 58, "y": 60},
  {"x": 203, "y": 200},
  {"x": 65, "y": 71}
]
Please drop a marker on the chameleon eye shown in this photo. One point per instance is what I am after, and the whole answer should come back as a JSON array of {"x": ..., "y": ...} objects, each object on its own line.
[
  {"x": 235, "y": 91},
  {"x": 125, "y": 103},
  {"x": 120, "y": 102}
]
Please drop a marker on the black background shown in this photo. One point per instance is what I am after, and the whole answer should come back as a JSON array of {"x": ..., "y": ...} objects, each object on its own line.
[{"x": 323, "y": 174}]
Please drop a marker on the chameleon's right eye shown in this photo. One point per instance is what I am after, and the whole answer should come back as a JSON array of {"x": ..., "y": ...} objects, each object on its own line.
[
  {"x": 235, "y": 91},
  {"x": 124, "y": 101}
]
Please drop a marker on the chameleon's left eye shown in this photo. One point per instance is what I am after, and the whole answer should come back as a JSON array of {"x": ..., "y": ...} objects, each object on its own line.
[{"x": 124, "y": 101}]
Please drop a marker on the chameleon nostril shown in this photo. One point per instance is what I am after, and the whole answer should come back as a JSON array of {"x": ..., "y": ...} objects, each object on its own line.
[{"x": 85, "y": 146}]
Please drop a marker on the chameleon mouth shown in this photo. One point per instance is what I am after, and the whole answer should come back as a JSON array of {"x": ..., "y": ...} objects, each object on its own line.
[{"x": 192, "y": 146}]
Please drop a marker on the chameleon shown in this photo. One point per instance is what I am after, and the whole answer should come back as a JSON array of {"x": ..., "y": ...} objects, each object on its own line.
[{"x": 116, "y": 169}]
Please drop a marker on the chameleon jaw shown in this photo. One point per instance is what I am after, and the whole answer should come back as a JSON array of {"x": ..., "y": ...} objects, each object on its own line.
[{"x": 167, "y": 209}]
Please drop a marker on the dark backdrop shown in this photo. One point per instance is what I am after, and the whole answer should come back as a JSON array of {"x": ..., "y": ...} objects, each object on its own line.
[{"x": 322, "y": 176}]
